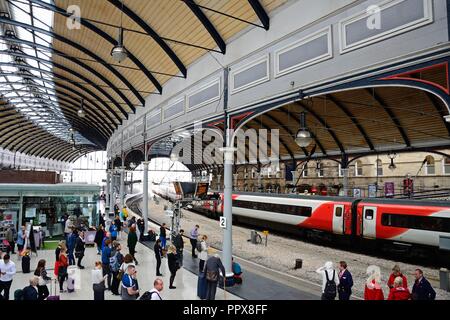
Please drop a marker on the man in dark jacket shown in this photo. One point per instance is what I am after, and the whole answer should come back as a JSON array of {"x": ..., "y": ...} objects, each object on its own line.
[
  {"x": 422, "y": 289},
  {"x": 213, "y": 265},
  {"x": 179, "y": 244},
  {"x": 345, "y": 282},
  {"x": 71, "y": 246},
  {"x": 79, "y": 249},
  {"x": 31, "y": 292}
]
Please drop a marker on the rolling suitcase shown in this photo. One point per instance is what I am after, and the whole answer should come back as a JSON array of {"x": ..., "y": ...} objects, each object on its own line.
[
  {"x": 201, "y": 285},
  {"x": 53, "y": 296},
  {"x": 26, "y": 264},
  {"x": 71, "y": 271}
]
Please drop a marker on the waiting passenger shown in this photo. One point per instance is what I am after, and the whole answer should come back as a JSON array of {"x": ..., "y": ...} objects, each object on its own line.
[
  {"x": 130, "y": 287},
  {"x": 99, "y": 235},
  {"x": 62, "y": 269},
  {"x": 162, "y": 235},
  {"x": 118, "y": 225},
  {"x": 158, "y": 255},
  {"x": 203, "y": 253},
  {"x": 213, "y": 266},
  {"x": 98, "y": 282},
  {"x": 132, "y": 241},
  {"x": 193, "y": 237},
  {"x": 79, "y": 249},
  {"x": 179, "y": 245},
  {"x": 113, "y": 230},
  {"x": 397, "y": 273},
  {"x": 30, "y": 293},
  {"x": 399, "y": 292},
  {"x": 172, "y": 261},
  {"x": 329, "y": 281},
  {"x": 237, "y": 271},
  {"x": 372, "y": 290},
  {"x": 41, "y": 273},
  {"x": 345, "y": 282},
  {"x": 422, "y": 289}
]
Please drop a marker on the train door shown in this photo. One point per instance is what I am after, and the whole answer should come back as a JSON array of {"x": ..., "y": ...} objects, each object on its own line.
[
  {"x": 338, "y": 219},
  {"x": 369, "y": 222}
]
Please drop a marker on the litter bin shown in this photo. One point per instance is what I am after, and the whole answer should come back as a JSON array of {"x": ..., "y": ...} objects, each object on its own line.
[
  {"x": 298, "y": 263},
  {"x": 444, "y": 279}
]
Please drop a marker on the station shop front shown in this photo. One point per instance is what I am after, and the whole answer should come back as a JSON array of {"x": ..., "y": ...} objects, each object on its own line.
[{"x": 45, "y": 205}]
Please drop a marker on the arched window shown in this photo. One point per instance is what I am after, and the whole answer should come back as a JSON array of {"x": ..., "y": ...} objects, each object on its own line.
[
  {"x": 430, "y": 168},
  {"x": 379, "y": 167},
  {"x": 446, "y": 165},
  {"x": 358, "y": 168}
]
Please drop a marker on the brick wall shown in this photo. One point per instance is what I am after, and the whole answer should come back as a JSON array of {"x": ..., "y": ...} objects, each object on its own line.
[{"x": 35, "y": 177}]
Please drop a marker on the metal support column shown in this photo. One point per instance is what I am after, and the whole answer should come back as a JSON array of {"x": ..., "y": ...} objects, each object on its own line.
[
  {"x": 227, "y": 209},
  {"x": 112, "y": 199},
  {"x": 108, "y": 187},
  {"x": 145, "y": 197},
  {"x": 122, "y": 187},
  {"x": 345, "y": 181}
]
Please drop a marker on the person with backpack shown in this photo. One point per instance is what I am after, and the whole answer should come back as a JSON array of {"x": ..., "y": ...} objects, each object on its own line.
[
  {"x": 330, "y": 281},
  {"x": 41, "y": 273},
  {"x": 114, "y": 265},
  {"x": 345, "y": 282},
  {"x": 7, "y": 272},
  {"x": 155, "y": 293},
  {"x": 106, "y": 254},
  {"x": 213, "y": 266},
  {"x": 202, "y": 249},
  {"x": 158, "y": 255},
  {"x": 21, "y": 239},
  {"x": 193, "y": 237}
]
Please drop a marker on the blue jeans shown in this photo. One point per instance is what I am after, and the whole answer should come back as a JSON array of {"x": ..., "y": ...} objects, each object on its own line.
[
  {"x": 163, "y": 242},
  {"x": 71, "y": 258}
]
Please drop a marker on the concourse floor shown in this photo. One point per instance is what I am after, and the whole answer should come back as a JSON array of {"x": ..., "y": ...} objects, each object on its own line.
[{"x": 185, "y": 281}]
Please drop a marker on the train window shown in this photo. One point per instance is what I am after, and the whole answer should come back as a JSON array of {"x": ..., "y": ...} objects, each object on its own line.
[
  {"x": 368, "y": 214},
  {"x": 274, "y": 207},
  {"x": 338, "y": 211},
  {"x": 437, "y": 224}
]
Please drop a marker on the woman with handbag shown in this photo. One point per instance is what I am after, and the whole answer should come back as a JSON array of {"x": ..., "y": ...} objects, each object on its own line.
[
  {"x": 63, "y": 263},
  {"x": 98, "y": 282},
  {"x": 172, "y": 260},
  {"x": 43, "y": 279}
]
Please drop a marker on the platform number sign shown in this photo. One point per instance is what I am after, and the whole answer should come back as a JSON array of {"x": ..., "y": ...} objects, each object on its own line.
[{"x": 223, "y": 222}]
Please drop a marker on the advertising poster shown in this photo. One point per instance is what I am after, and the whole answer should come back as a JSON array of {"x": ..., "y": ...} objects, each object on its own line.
[
  {"x": 372, "y": 191},
  {"x": 389, "y": 189}
]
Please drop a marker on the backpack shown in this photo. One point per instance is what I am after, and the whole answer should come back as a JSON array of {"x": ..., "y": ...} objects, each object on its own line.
[
  {"x": 147, "y": 295},
  {"x": 199, "y": 246},
  {"x": 114, "y": 263},
  {"x": 330, "y": 286}
]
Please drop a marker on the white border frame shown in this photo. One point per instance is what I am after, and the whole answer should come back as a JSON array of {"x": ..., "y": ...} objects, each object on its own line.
[
  {"x": 328, "y": 31},
  {"x": 201, "y": 88},
  {"x": 151, "y": 115},
  {"x": 344, "y": 48},
  {"x": 181, "y": 99},
  {"x": 265, "y": 58}
]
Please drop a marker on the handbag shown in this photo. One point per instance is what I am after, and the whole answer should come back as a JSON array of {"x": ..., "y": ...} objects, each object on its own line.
[{"x": 120, "y": 275}]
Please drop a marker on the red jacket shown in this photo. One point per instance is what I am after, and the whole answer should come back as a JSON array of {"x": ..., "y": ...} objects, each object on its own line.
[
  {"x": 399, "y": 293},
  {"x": 390, "y": 282},
  {"x": 373, "y": 294}
]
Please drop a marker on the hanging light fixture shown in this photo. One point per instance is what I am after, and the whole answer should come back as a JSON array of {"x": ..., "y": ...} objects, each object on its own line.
[
  {"x": 81, "y": 112},
  {"x": 72, "y": 140},
  {"x": 392, "y": 156},
  {"x": 119, "y": 52},
  {"x": 303, "y": 137}
]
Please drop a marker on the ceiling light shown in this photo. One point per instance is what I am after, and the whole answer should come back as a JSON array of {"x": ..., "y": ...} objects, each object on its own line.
[
  {"x": 303, "y": 137},
  {"x": 81, "y": 112},
  {"x": 119, "y": 52}
]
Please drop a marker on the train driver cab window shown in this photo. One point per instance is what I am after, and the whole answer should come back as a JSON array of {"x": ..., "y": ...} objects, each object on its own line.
[
  {"x": 338, "y": 211},
  {"x": 368, "y": 215}
]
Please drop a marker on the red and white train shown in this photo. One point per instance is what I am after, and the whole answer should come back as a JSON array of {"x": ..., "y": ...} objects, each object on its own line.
[{"x": 409, "y": 222}]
